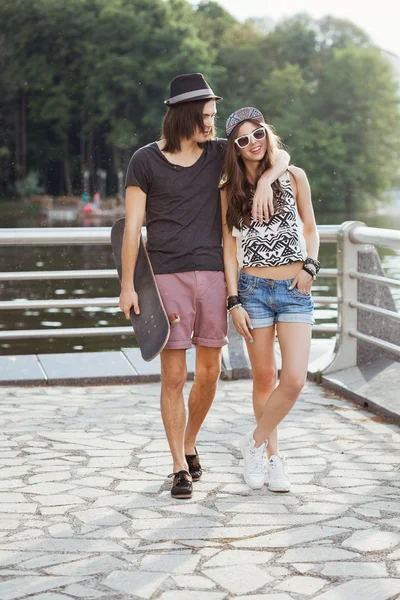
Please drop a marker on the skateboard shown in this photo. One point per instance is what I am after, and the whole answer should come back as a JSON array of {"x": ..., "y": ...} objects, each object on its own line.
[{"x": 152, "y": 325}]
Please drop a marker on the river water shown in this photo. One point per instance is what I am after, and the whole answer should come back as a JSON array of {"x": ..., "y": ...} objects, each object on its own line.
[{"x": 47, "y": 258}]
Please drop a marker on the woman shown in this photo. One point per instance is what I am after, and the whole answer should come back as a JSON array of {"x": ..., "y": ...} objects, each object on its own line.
[{"x": 278, "y": 262}]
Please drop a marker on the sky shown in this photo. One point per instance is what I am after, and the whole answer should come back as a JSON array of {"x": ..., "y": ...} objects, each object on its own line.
[{"x": 381, "y": 19}]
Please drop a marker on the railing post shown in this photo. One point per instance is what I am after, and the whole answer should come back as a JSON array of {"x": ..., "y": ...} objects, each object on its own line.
[{"x": 345, "y": 353}]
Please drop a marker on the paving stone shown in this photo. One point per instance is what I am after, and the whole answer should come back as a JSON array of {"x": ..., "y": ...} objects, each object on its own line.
[
  {"x": 23, "y": 508},
  {"x": 176, "y": 563},
  {"x": 107, "y": 532},
  {"x": 368, "y": 512},
  {"x": 316, "y": 554},
  {"x": 58, "y": 500},
  {"x": 88, "y": 566},
  {"x": 194, "y": 582},
  {"x": 101, "y": 516},
  {"x": 95, "y": 481},
  {"x": 110, "y": 461},
  {"x": 81, "y": 591},
  {"x": 61, "y": 530},
  {"x": 271, "y": 596},
  {"x": 303, "y": 567},
  {"x": 186, "y": 522},
  {"x": 354, "y": 569},
  {"x": 64, "y": 545},
  {"x": 144, "y": 583},
  {"x": 350, "y": 522},
  {"x": 372, "y": 540},
  {"x": 304, "y": 585},
  {"x": 202, "y": 533},
  {"x": 384, "y": 506},
  {"x": 48, "y": 560},
  {"x": 11, "y": 497},
  {"x": 162, "y": 546},
  {"x": 238, "y": 557},
  {"x": 373, "y": 589},
  {"x": 278, "y": 572},
  {"x": 194, "y": 595},
  {"x": 239, "y": 579},
  {"x": 283, "y": 539},
  {"x": 279, "y": 521},
  {"x": 46, "y": 477},
  {"x": 322, "y": 508},
  {"x": 8, "y": 525},
  {"x": 147, "y": 487},
  {"x": 50, "y": 596},
  {"x": 30, "y": 585},
  {"x": 191, "y": 509}
]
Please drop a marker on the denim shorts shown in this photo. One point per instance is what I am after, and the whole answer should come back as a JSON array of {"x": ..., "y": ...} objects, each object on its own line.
[{"x": 269, "y": 301}]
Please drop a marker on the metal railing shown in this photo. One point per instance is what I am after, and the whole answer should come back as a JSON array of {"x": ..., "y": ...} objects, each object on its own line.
[
  {"x": 354, "y": 238},
  {"x": 350, "y": 237}
]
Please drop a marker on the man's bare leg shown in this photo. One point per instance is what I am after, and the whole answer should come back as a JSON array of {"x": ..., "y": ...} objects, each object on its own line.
[
  {"x": 208, "y": 369},
  {"x": 173, "y": 378}
]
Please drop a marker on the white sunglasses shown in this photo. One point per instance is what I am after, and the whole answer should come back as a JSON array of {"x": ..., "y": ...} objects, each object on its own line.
[{"x": 256, "y": 136}]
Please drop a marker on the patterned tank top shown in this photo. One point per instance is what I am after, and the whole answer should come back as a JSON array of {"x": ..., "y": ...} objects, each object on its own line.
[{"x": 277, "y": 242}]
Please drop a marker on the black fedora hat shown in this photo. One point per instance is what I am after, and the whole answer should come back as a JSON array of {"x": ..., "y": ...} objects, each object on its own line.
[{"x": 190, "y": 87}]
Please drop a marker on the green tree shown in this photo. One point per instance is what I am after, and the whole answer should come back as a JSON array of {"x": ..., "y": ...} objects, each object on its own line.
[{"x": 357, "y": 92}]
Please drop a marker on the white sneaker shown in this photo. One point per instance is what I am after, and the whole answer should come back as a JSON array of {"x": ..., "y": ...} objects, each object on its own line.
[
  {"x": 254, "y": 458},
  {"x": 278, "y": 481}
]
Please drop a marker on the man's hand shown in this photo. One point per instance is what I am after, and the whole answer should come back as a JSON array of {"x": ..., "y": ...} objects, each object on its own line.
[
  {"x": 263, "y": 201},
  {"x": 303, "y": 281},
  {"x": 127, "y": 299},
  {"x": 242, "y": 322}
]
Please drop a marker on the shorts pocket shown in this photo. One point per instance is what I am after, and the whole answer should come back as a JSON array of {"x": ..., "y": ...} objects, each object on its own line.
[
  {"x": 246, "y": 288},
  {"x": 298, "y": 294}
]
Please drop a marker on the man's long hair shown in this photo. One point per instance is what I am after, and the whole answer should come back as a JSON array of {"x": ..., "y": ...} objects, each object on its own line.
[
  {"x": 180, "y": 123},
  {"x": 239, "y": 190}
]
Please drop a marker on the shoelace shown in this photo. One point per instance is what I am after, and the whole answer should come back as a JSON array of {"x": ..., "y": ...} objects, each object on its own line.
[
  {"x": 275, "y": 466},
  {"x": 257, "y": 458}
]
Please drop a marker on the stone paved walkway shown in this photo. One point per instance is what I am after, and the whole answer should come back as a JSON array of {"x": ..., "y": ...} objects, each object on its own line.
[{"x": 86, "y": 512}]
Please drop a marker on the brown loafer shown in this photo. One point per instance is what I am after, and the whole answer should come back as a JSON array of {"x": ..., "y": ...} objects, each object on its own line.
[
  {"x": 194, "y": 465},
  {"x": 181, "y": 485}
]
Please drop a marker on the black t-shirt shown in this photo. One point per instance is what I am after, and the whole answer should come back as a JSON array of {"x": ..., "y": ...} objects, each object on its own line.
[{"x": 183, "y": 211}]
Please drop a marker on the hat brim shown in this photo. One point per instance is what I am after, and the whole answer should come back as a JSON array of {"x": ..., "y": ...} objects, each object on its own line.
[{"x": 172, "y": 101}]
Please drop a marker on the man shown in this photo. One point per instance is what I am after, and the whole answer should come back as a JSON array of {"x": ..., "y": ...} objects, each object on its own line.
[{"x": 174, "y": 183}]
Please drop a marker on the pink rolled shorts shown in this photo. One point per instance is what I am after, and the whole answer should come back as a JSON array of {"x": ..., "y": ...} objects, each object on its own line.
[{"x": 199, "y": 299}]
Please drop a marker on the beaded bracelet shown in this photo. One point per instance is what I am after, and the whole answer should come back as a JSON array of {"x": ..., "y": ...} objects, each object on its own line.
[
  {"x": 232, "y": 301},
  {"x": 309, "y": 271},
  {"x": 233, "y": 307},
  {"x": 314, "y": 262}
]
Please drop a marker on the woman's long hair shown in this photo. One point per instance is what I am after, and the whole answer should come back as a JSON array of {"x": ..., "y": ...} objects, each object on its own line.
[{"x": 239, "y": 190}]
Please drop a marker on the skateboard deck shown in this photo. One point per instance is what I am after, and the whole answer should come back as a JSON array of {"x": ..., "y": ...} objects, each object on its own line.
[{"x": 151, "y": 326}]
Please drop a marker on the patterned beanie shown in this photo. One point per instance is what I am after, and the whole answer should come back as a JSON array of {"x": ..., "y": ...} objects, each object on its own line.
[{"x": 243, "y": 114}]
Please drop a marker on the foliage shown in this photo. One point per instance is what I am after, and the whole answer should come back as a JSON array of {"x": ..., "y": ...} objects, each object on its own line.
[
  {"x": 29, "y": 186},
  {"x": 82, "y": 84}
]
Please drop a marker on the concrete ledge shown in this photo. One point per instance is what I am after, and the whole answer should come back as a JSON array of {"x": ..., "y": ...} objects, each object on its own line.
[
  {"x": 374, "y": 385},
  {"x": 84, "y": 368},
  {"x": 21, "y": 370}
]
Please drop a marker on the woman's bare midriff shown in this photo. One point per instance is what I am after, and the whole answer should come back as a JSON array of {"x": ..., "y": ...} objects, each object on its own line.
[{"x": 283, "y": 272}]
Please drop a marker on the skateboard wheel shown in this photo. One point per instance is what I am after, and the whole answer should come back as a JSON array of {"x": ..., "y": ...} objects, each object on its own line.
[{"x": 174, "y": 318}]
